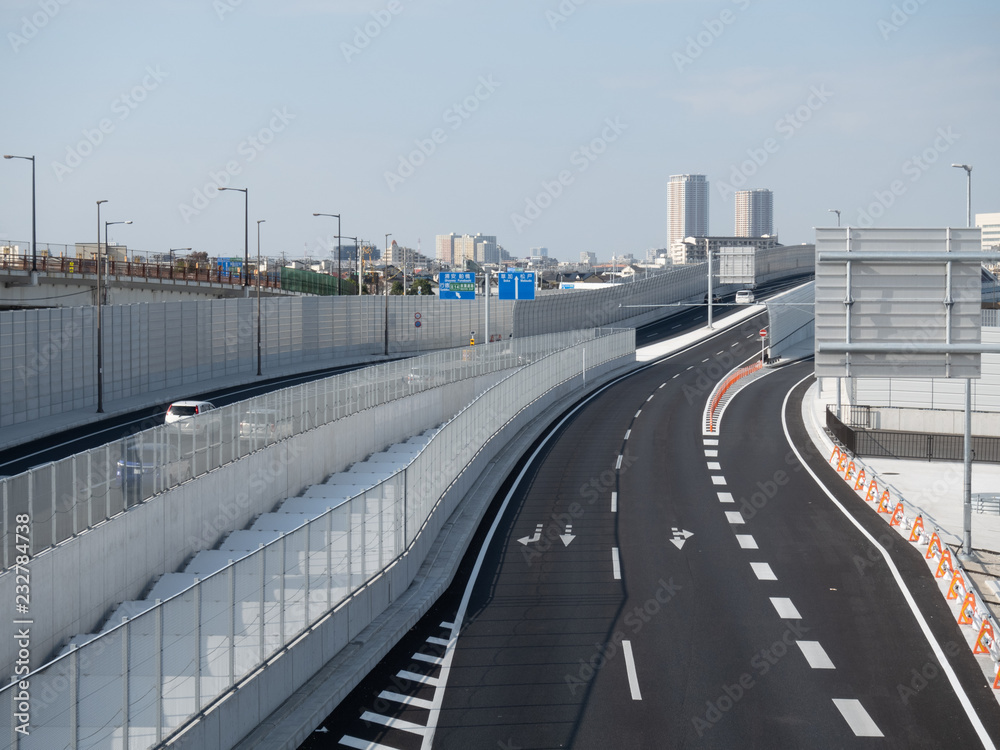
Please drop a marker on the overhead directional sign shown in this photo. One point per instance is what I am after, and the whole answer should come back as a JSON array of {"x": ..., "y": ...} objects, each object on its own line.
[
  {"x": 516, "y": 285},
  {"x": 457, "y": 285}
]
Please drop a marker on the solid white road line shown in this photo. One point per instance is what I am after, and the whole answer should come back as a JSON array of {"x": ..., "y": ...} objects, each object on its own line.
[
  {"x": 627, "y": 433},
  {"x": 746, "y": 541},
  {"x": 363, "y": 744},
  {"x": 763, "y": 572},
  {"x": 406, "y": 700},
  {"x": 716, "y": 479},
  {"x": 734, "y": 516},
  {"x": 815, "y": 655},
  {"x": 786, "y": 610},
  {"x": 858, "y": 719},
  {"x": 711, "y": 453},
  {"x": 714, "y": 466},
  {"x": 614, "y": 502},
  {"x": 393, "y": 723},
  {"x": 616, "y": 567},
  {"x": 946, "y": 667},
  {"x": 619, "y": 464},
  {"x": 633, "y": 679},
  {"x": 725, "y": 497}
]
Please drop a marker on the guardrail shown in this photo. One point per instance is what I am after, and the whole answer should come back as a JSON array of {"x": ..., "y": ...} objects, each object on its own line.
[
  {"x": 134, "y": 685},
  {"x": 67, "y": 497}
]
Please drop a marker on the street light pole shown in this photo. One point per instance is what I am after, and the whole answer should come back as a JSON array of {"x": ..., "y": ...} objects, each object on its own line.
[
  {"x": 246, "y": 237},
  {"x": 100, "y": 304},
  {"x": 337, "y": 217},
  {"x": 968, "y": 192},
  {"x": 835, "y": 211},
  {"x": 34, "y": 244},
  {"x": 385, "y": 290},
  {"x": 259, "y": 222},
  {"x": 967, "y": 494}
]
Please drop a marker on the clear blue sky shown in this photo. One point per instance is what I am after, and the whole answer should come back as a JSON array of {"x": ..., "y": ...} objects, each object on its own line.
[{"x": 826, "y": 104}]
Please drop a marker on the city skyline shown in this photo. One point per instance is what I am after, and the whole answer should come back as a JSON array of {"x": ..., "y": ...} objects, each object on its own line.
[{"x": 358, "y": 108}]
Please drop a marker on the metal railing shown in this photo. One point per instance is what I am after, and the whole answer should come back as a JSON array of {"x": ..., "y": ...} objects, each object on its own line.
[
  {"x": 144, "y": 678},
  {"x": 69, "y": 496}
]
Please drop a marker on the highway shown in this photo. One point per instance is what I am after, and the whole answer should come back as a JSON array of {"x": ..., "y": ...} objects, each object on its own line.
[{"x": 644, "y": 586}]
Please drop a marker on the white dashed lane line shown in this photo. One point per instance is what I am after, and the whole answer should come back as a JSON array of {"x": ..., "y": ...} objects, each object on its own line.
[
  {"x": 614, "y": 502},
  {"x": 711, "y": 441},
  {"x": 633, "y": 678},
  {"x": 815, "y": 655},
  {"x": 618, "y": 464},
  {"x": 638, "y": 413},
  {"x": 856, "y": 716},
  {"x": 650, "y": 397},
  {"x": 734, "y": 516},
  {"x": 746, "y": 541},
  {"x": 714, "y": 466},
  {"x": 711, "y": 453},
  {"x": 786, "y": 610},
  {"x": 616, "y": 566},
  {"x": 763, "y": 571},
  {"x": 725, "y": 497},
  {"x": 627, "y": 433},
  {"x": 716, "y": 479}
]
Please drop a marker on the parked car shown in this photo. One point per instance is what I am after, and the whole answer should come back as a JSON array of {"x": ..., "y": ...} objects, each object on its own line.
[
  {"x": 744, "y": 297},
  {"x": 265, "y": 424},
  {"x": 149, "y": 465},
  {"x": 184, "y": 413}
]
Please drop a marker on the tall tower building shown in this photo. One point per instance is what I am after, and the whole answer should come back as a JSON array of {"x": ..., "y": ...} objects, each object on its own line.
[
  {"x": 754, "y": 213},
  {"x": 687, "y": 207},
  {"x": 444, "y": 248}
]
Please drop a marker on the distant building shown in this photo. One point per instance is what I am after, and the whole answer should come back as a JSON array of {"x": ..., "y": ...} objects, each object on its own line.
[
  {"x": 539, "y": 252},
  {"x": 754, "y": 213},
  {"x": 455, "y": 249},
  {"x": 444, "y": 248},
  {"x": 687, "y": 207},
  {"x": 692, "y": 249},
  {"x": 990, "y": 224},
  {"x": 588, "y": 259}
]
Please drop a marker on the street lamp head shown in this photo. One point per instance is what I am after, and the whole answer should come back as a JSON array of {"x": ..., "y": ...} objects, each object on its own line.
[
  {"x": 261, "y": 221},
  {"x": 966, "y": 167},
  {"x": 7, "y": 156},
  {"x": 103, "y": 201}
]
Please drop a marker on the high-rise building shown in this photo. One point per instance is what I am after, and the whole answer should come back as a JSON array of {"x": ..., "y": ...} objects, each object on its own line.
[
  {"x": 455, "y": 249},
  {"x": 486, "y": 248},
  {"x": 990, "y": 224},
  {"x": 687, "y": 207},
  {"x": 754, "y": 213},
  {"x": 444, "y": 248}
]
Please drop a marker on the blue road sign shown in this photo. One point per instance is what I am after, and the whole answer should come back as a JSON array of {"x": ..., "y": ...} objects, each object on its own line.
[
  {"x": 516, "y": 285},
  {"x": 457, "y": 285}
]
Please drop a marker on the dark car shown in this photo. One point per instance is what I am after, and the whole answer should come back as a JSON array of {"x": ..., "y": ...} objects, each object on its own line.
[{"x": 716, "y": 299}]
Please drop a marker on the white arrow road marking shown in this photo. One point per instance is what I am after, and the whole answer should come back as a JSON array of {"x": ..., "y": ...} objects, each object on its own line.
[
  {"x": 567, "y": 537},
  {"x": 680, "y": 536},
  {"x": 526, "y": 540}
]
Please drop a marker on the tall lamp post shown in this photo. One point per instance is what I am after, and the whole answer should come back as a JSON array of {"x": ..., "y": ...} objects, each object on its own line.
[
  {"x": 337, "y": 217},
  {"x": 246, "y": 237},
  {"x": 100, "y": 304},
  {"x": 356, "y": 248},
  {"x": 34, "y": 245},
  {"x": 385, "y": 290},
  {"x": 835, "y": 211},
  {"x": 259, "y": 222},
  {"x": 967, "y": 495}
]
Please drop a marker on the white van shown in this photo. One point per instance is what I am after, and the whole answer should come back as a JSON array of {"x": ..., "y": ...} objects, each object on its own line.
[{"x": 744, "y": 297}]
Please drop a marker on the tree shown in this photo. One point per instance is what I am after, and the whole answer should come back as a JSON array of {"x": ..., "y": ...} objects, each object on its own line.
[
  {"x": 397, "y": 287},
  {"x": 421, "y": 286}
]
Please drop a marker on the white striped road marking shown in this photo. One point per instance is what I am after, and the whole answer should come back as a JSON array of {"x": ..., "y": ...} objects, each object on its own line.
[
  {"x": 815, "y": 655},
  {"x": 614, "y": 502},
  {"x": 627, "y": 433},
  {"x": 746, "y": 541},
  {"x": 650, "y": 397},
  {"x": 393, "y": 723},
  {"x": 620, "y": 457},
  {"x": 786, "y": 610},
  {"x": 638, "y": 413},
  {"x": 936, "y": 648},
  {"x": 716, "y": 479},
  {"x": 363, "y": 744},
  {"x": 406, "y": 700},
  {"x": 448, "y": 625},
  {"x": 690, "y": 368},
  {"x": 633, "y": 679},
  {"x": 725, "y": 497},
  {"x": 763, "y": 572},
  {"x": 711, "y": 453},
  {"x": 734, "y": 516},
  {"x": 858, "y": 719},
  {"x": 438, "y": 641},
  {"x": 718, "y": 353},
  {"x": 711, "y": 441},
  {"x": 714, "y": 466},
  {"x": 663, "y": 384},
  {"x": 616, "y": 567},
  {"x": 678, "y": 374},
  {"x": 421, "y": 678},
  {"x": 734, "y": 344},
  {"x": 705, "y": 360},
  {"x": 429, "y": 659}
]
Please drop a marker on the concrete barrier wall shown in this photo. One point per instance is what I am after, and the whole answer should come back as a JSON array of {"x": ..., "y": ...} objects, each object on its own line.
[
  {"x": 792, "y": 323},
  {"x": 933, "y": 421}
]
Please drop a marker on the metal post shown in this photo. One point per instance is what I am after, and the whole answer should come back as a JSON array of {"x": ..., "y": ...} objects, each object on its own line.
[
  {"x": 486, "y": 338},
  {"x": 125, "y": 675},
  {"x": 967, "y": 509},
  {"x": 100, "y": 302},
  {"x": 197, "y": 645},
  {"x": 259, "y": 222},
  {"x": 159, "y": 671},
  {"x": 232, "y": 623},
  {"x": 708, "y": 254}
]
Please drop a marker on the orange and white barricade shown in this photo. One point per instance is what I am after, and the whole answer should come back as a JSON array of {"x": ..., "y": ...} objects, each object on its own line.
[
  {"x": 967, "y": 615},
  {"x": 883, "y": 503},
  {"x": 946, "y": 564},
  {"x": 872, "y": 491},
  {"x": 935, "y": 542},
  {"x": 918, "y": 529},
  {"x": 860, "y": 483},
  {"x": 957, "y": 587}
]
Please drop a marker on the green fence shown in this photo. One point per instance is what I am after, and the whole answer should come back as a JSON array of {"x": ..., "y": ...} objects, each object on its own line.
[{"x": 309, "y": 282}]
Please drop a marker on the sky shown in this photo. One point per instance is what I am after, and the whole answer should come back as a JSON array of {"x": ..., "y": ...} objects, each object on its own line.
[{"x": 548, "y": 123}]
